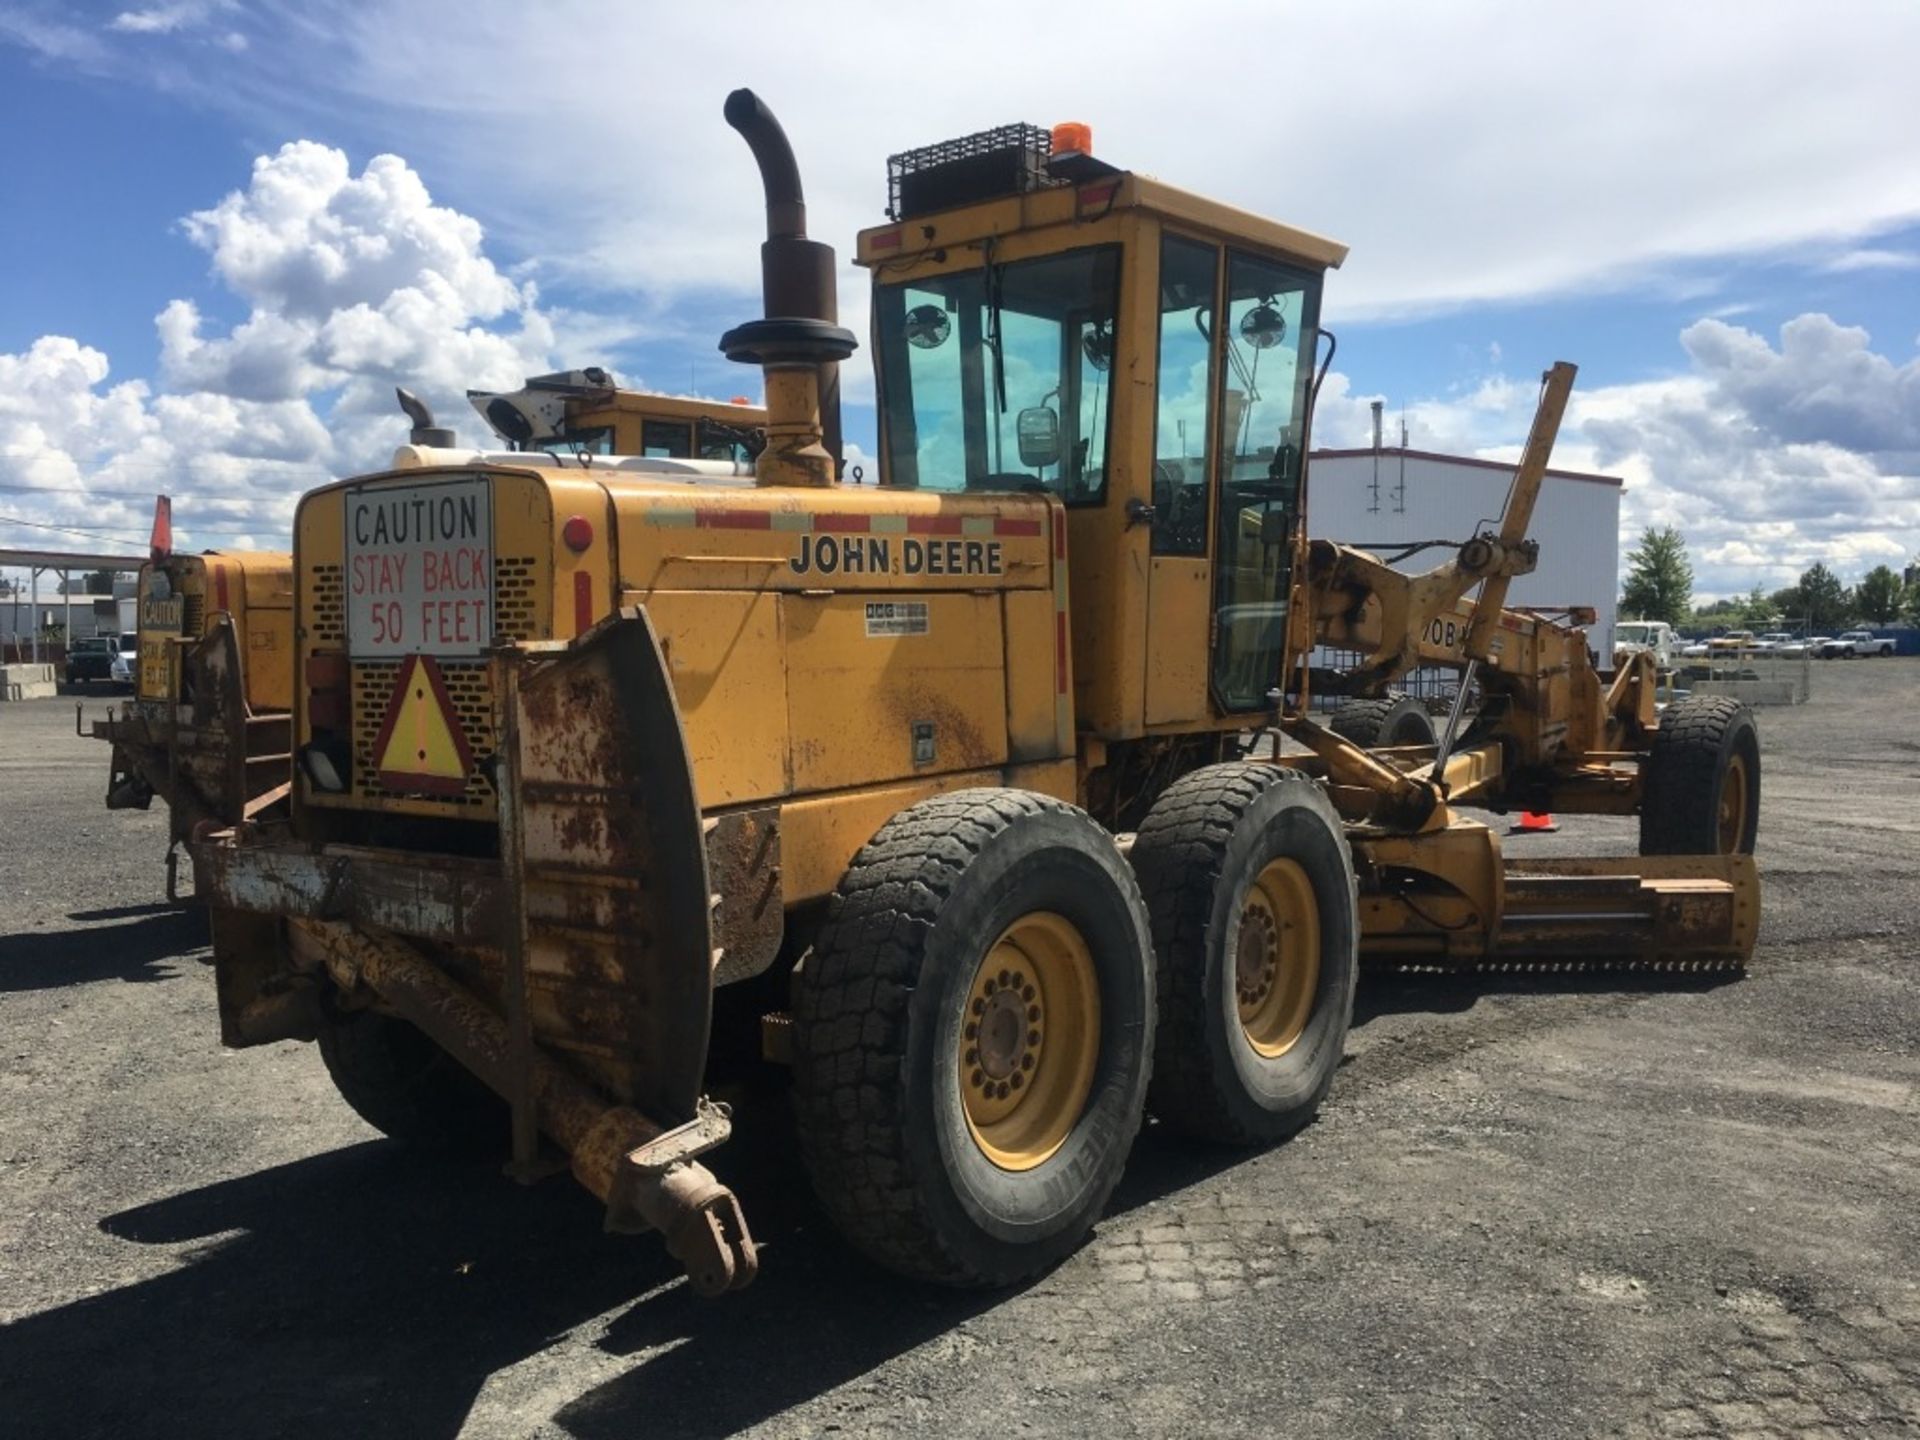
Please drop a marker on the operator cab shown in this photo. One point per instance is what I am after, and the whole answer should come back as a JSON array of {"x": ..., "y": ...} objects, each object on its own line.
[{"x": 1046, "y": 323}]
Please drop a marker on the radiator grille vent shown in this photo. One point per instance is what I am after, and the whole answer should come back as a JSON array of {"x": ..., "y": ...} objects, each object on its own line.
[{"x": 326, "y": 619}]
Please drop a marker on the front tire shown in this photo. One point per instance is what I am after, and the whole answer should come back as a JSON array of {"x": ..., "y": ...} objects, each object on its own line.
[
  {"x": 1249, "y": 881},
  {"x": 1700, "y": 786},
  {"x": 972, "y": 1034}
]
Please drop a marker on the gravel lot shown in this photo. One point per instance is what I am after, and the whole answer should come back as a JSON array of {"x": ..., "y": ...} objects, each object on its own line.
[{"x": 1529, "y": 1209}]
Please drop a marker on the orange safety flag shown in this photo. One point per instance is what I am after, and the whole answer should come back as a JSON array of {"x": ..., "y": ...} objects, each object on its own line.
[
  {"x": 162, "y": 541},
  {"x": 422, "y": 748}
]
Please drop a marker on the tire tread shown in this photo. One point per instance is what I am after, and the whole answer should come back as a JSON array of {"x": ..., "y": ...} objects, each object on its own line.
[
  {"x": 851, "y": 1026},
  {"x": 1683, "y": 772},
  {"x": 1180, "y": 854}
]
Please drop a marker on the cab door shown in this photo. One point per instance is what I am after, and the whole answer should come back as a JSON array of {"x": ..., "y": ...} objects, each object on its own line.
[
  {"x": 1179, "y": 608},
  {"x": 1268, "y": 323}
]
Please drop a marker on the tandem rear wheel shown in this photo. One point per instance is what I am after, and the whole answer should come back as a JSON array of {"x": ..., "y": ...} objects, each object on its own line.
[
  {"x": 1250, "y": 885},
  {"x": 972, "y": 1034}
]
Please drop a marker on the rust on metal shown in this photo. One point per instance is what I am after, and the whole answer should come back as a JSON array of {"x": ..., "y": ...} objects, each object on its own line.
[
  {"x": 749, "y": 914},
  {"x": 699, "y": 1217}
]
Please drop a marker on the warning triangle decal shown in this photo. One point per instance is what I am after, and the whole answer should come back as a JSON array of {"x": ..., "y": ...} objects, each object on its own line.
[{"x": 422, "y": 749}]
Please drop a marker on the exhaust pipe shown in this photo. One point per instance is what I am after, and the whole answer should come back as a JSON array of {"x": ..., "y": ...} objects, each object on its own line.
[
  {"x": 799, "y": 342},
  {"x": 424, "y": 432}
]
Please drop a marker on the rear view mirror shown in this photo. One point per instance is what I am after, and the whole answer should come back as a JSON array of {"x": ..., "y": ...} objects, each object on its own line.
[{"x": 1039, "y": 431}]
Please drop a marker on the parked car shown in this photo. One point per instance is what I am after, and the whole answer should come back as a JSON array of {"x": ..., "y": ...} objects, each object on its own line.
[
  {"x": 1855, "y": 643},
  {"x": 90, "y": 659},
  {"x": 1796, "y": 647},
  {"x": 1773, "y": 640},
  {"x": 1654, "y": 635},
  {"x": 126, "y": 664},
  {"x": 1694, "y": 650}
]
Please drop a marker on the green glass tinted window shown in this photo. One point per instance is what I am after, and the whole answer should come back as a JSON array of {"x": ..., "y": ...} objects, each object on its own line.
[
  {"x": 1182, "y": 448},
  {"x": 999, "y": 378}
]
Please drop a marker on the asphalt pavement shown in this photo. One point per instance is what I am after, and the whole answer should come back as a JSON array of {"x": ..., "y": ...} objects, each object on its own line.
[{"x": 1532, "y": 1207}]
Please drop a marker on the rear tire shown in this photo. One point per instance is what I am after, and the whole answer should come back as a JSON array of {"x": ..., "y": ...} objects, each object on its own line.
[
  {"x": 407, "y": 1087},
  {"x": 1392, "y": 720},
  {"x": 981, "y": 936},
  {"x": 1700, "y": 787},
  {"x": 1250, "y": 885}
]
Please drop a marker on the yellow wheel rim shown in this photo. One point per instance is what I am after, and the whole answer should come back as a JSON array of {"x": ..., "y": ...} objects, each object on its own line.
[
  {"x": 1029, "y": 1040},
  {"x": 1733, "y": 805},
  {"x": 1276, "y": 965}
]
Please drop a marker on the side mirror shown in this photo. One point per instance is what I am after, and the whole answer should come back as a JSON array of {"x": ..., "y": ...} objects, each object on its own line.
[{"x": 1039, "y": 431}]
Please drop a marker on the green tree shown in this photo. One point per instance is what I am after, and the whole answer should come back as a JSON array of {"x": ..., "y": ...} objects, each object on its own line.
[
  {"x": 100, "y": 582},
  {"x": 1878, "y": 596},
  {"x": 1659, "y": 578},
  {"x": 1787, "y": 604},
  {"x": 1824, "y": 598}
]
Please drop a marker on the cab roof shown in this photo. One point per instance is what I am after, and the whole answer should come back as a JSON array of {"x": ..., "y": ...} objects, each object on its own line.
[{"x": 907, "y": 239}]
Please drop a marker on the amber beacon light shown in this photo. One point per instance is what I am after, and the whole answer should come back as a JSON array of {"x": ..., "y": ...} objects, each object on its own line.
[{"x": 1073, "y": 137}]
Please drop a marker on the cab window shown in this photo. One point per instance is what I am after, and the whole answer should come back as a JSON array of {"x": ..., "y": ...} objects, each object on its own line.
[
  {"x": 1000, "y": 378},
  {"x": 1183, "y": 443},
  {"x": 666, "y": 439},
  {"x": 596, "y": 441}
]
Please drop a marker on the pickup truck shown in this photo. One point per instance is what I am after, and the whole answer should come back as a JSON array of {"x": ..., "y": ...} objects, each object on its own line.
[
  {"x": 126, "y": 664},
  {"x": 90, "y": 659},
  {"x": 1855, "y": 643},
  {"x": 1734, "y": 642}
]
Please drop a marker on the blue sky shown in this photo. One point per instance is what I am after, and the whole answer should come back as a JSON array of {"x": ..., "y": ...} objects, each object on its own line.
[{"x": 1704, "y": 209}]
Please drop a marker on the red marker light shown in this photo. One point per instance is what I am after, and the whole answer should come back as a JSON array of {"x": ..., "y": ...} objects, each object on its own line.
[{"x": 578, "y": 533}]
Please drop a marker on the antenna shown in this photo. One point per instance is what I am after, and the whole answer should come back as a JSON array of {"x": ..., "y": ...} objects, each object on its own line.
[
  {"x": 1373, "y": 490},
  {"x": 1400, "y": 490}
]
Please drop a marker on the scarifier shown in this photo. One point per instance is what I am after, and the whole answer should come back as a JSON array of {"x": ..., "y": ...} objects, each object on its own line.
[{"x": 950, "y": 791}]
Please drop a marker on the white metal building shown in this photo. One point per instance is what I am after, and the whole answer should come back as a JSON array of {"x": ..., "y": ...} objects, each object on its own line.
[{"x": 1386, "y": 497}]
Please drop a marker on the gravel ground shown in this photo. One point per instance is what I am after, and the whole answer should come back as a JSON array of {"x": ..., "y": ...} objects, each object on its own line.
[{"x": 1529, "y": 1208}]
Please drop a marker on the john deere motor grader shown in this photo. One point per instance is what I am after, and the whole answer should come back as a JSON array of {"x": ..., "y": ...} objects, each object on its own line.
[
  {"x": 937, "y": 785},
  {"x": 209, "y": 727}
]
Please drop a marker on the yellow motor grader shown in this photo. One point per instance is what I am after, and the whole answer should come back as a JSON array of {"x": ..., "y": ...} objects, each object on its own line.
[
  {"x": 208, "y": 729},
  {"x": 947, "y": 790}
]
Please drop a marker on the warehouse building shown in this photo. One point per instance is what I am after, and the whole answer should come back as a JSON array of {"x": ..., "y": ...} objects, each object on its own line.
[{"x": 1384, "y": 498}]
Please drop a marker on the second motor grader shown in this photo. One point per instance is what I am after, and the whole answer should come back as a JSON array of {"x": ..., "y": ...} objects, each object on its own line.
[{"x": 937, "y": 789}]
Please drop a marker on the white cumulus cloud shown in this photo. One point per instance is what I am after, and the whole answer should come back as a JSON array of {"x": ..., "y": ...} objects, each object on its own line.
[
  {"x": 351, "y": 283},
  {"x": 1766, "y": 455}
]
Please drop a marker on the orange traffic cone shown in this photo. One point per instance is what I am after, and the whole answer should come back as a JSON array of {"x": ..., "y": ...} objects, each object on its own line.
[{"x": 1534, "y": 823}]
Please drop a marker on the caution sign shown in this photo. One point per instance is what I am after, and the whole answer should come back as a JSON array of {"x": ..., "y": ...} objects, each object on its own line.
[{"x": 422, "y": 748}]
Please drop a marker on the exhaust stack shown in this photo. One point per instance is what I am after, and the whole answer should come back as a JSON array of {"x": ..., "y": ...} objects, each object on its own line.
[
  {"x": 424, "y": 432},
  {"x": 798, "y": 342}
]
